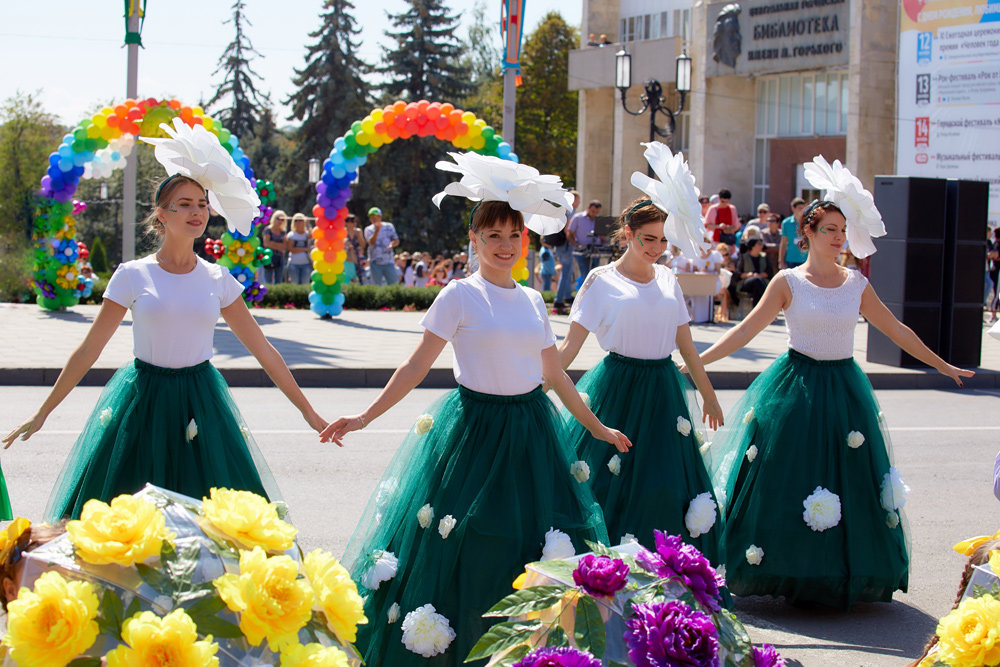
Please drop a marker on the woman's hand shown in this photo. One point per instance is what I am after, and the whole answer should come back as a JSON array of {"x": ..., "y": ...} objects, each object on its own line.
[
  {"x": 336, "y": 431},
  {"x": 616, "y": 438},
  {"x": 315, "y": 422},
  {"x": 683, "y": 368},
  {"x": 956, "y": 373},
  {"x": 711, "y": 414},
  {"x": 25, "y": 430}
]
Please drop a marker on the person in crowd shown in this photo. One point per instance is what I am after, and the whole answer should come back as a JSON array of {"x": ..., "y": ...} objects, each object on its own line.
[
  {"x": 725, "y": 280},
  {"x": 751, "y": 274},
  {"x": 86, "y": 270},
  {"x": 421, "y": 271},
  {"x": 404, "y": 267},
  {"x": 354, "y": 245},
  {"x": 760, "y": 222},
  {"x": 273, "y": 237},
  {"x": 381, "y": 238},
  {"x": 365, "y": 277},
  {"x": 580, "y": 234},
  {"x": 993, "y": 257},
  {"x": 439, "y": 276},
  {"x": 547, "y": 267},
  {"x": 459, "y": 266},
  {"x": 299, "y": 243},
  {"x": 592, "y": 40},
  {"x": 706, "y": 203},
  {"x": 771, "y": 236},
  {"x": 563, "y": 250},
  {"x": 791, "y": 253},
  {"x": 722, "y": 219}
]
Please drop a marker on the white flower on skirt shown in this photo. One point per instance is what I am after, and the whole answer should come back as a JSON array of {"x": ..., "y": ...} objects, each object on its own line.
[
  {"x": 701, "y": 514},
  {"x": 754, "y": 554},
  {"x": 628, "y": 538},
  {"x": 585, "y": 398},
  {"x": 245, "y": 432},
  {"x": 445, "y": 525},
  {"x": 426, "y": 632},
  {"x": 580, "y": 471},
  {"x": 383, "y": 569},
  {"x": 855, "y": 439},
  {"x": 822, "y": 509},
  {"x": 424, "y": 423},
  {"x": 751, "y": 453},
  {"x": 893, "y": 490},
  {"x": 699, "y": 436},
  {"x": 615, "y": 465},
  {"x": 721, "y": 571},
  {"x": 892, "y": 519},
  {"x": 558, "y": 545},
  {"x": 748, "y": 417},
  {"x": 192, "y": 430},
  {"x": 392, "y": 615},
  {"x": 683, "y": 426},
  {"x": 881, "y": 416},
  {"x": 425, "y": 515},
  {"x": 105, "y": 416}
]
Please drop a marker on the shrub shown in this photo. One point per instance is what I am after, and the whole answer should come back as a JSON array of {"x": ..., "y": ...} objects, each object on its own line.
[
  {"x": 98, "y": 256},
  {"x": 15, "y": 275}
]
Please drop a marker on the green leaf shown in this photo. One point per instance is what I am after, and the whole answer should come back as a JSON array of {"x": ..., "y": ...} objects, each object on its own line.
[
  {"x": 111, "y": 615},
  {"x": 558, "y": 569},
  {"x": 589, "y": 631},
  {"x": 210, "y": 605},
  {"x": 557, "y": 637},
  {"x": 521, "y": 602},
  {"x": 732, "y": 635},
  {"x": 134, "y": 608},
  {"x": 217, "y": 627},
  {"x": 514, "y": 655},
  {"x": 85, "y": 661},
  {"x": 601, "y": 549},
  {"x": 503, "y": 636},
  {"x": 155, "y": 579}
]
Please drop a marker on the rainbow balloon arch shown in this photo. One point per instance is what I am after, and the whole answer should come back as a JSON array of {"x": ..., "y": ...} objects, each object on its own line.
[
  {"x": 399, "y": 120},
  {"x": 96, "y": 148}
]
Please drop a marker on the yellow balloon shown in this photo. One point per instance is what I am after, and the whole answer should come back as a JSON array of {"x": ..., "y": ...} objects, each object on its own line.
[
  {"x": 338, "y": 268},
  {"x": 468, "y": 118},
  {"x": 317, "y": 256},
  {"x": 107, "y": 111},
  {"x": 342, "y": 256},
  {"x": 378, "y": 140},
  {"x": 368, "y": 125},
  {"x": 197, "y": 111},
  {"x": 362, "y": 138},
  {"x": 93, "y": 131},
  {"x": 479, "y": 124},
  {"x": 208, "y": 123},
  {"x": 328, "y": 278},
  {"x": 99, "y": 120},
  {"x": 478, "y": 143},
  {"x": 322, "y": 267},
  {"x": 376, "y": 115}
]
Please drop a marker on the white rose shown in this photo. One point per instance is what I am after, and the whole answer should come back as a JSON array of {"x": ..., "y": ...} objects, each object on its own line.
[
  {"x": 855, "y": 439},
  {"x": 748, "y": 417},
  {"x": 192, "y": 430},
  {"x": 424, "y": 424},
  {"x": 558, "y": 546},
  {"x": 822, "y": 509},
  {"x": 615, "y": 465},
  {"x": 683, "y": 426},
  {"x": 105, "y": 416},
  {"x": 893, "y": 490},
  {"x": 393, "y": 614},
  {"x": 585, "y": 398},
  {"x": 751, "y": 453},
  {"x": 755, "y": 554},
  {"x": 580, "y": 471},
  {"x": 892, "y": 519},
  {"x": 426, "y": 632},
  {"x": 700, "y": 516},
  {"x": 627, "y": 538},
  {"x": 445, "y": 525},
  {"x": 383, "y": 569},
  {"x": 425, "y": 515}
]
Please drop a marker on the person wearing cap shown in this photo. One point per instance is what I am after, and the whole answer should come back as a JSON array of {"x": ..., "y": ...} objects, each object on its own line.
[
  {"x": 580, "y": 233},
  {"x": 381, "y": 238}
]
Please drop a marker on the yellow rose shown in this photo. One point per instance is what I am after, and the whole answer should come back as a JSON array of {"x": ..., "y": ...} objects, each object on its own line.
[
  {"x": 995, "y": 561},
  {"x": 52, "y": 624},
  {"x": 171, "y": 641},
  {"x": 337, "y": 594},
  {"x": 313, "y": 655},
  {"x": 248, "y": 519},
  {"x": 970, "y": 634},
  {"x": 10, "y": 537},
  {"x": 128, "y": 531},
  {"x": 270, "y": 599}
]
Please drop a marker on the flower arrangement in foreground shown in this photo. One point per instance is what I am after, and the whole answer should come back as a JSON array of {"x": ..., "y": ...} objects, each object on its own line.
[
  {"x": 215, "y": 583},
  {"x": 620, "y": 607}
]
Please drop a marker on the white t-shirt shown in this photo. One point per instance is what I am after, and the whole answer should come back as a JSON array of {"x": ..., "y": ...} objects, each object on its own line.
[
  {"x": 173, "y": 315},
  {"x": 497, "y": 334},
  {"x": 633, "y": 319}
]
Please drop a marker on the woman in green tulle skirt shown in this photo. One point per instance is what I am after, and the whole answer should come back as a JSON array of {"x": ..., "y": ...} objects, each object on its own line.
[
  {"x": 166, "y": 418},
  {"x": 482, "y": 483},
  {"x": 803, "y": 468}
]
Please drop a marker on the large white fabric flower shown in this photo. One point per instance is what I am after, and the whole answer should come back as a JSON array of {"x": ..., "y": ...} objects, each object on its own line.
[
  {"x": 676, "y": 195},
  {"x": 683, "y": 426},
  {"x": 700, "y": 516},
  {"x": 844, "y": 189},
  {"x": 196, "y": 153},
  {"x": 754, "y": 554},
  {"x": 105, "y": 416},
  {"x": 893, "y": 490},
  {"x": 615, "y": 465},
  {"x": 540, "y": 197},
  {"x": 822, "y": 509},
  {"x": 558, "y": 545},
  {"x": 855, "y": 439},
  {"x": 445, "y": 525},
  {"x": 383, "y": 569},
  {"x": 425, "y": 515},
  {"x": 580, "y": 471},
  {"x": 424, "y": 423},
  {"x": 426, "y": 632}
]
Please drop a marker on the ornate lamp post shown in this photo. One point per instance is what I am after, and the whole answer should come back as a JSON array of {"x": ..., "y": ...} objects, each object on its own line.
[{"x": 314, "y": 165}]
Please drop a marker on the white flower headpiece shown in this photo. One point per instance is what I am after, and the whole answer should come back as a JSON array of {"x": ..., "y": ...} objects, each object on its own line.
[
  {"x": 541, "y": 198},
  {"x": 676, "y": 195},
  {"x": 196, "y": 153},
  {"x": 844, "y": 189}
]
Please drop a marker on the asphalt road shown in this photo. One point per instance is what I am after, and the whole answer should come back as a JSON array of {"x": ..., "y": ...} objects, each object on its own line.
[{"x": 944, "y": 442}]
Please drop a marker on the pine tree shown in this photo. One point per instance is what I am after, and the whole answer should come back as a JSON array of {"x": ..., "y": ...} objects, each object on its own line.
[
  {"x": 264, "y": 146},
  {"x": 482, "y": 60},
  {"x": 239, "y": 81}
]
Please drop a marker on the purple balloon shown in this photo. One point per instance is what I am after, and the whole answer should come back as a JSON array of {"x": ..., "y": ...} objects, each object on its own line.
[
  {"x": 330, "y": 212},
  {"x": 62, "y": 196},
  {"x": 46, "y": 182},
  {"x": 321, "y": 188}
]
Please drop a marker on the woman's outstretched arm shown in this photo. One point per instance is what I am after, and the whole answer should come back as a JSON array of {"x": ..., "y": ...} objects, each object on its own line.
[{"x": 776, "y": 296}]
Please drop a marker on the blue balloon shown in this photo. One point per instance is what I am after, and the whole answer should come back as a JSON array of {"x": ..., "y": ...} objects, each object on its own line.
[
  {"x": 340, "y": 144},
  {"x": 54, "y": 159},
  {"x": 338, "y": 172},
  {"x": 360, "y": 160},
  {"x": 318, "y": 308},
  {"x": 334, "y": 310},
  {"x": 513, "y": 157},
  {"x": 315, "y": 297},
  {"x": 338, "y": 300},
  {"x": 65, "y": 164}
]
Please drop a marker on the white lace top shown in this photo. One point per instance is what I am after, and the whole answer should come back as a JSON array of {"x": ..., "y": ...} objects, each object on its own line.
[{"x": 820, "y": 320}]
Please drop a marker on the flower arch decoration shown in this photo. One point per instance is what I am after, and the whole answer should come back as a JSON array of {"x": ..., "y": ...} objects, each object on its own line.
[
  {"x": 400, "y": 120},
  {"x": 95, "y": 148}
]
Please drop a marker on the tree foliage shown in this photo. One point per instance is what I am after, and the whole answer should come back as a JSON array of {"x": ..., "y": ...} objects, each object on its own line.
[{"x": 246, "y": 103}]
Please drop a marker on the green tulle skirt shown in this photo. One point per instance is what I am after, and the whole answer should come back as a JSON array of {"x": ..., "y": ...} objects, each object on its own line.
[
  {"x": 664, "y": 471},
  {"x": 5, "y": 512},
  {"x": 787, "y": 436},
  {"x": 496, "y": 466},
  {"x": 177, "y": 428}
]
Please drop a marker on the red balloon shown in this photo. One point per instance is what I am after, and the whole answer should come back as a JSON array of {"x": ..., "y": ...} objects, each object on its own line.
[
  {"x": 442, "y": 122},
  {"x": 412, "y": 127},
  {"x": 425, "y": 130},
  {"x": 317, "y": 211}
]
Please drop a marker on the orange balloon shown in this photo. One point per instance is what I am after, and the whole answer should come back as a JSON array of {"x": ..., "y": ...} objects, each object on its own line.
[
  {"x": 341, "y": 235},
  {"x": 447, "y": 108},
  {"x": 322, "y": 244},
  {"x": 317, "y": 233},
  {"x": 399, "y": 107},
  {"x": 330, "y": 255},
  {"x": 434, "y": 110},
  {"x": 455, "y": 117},
  {"x": 392, "y": 131},
  {"x": 317, "y": 211},
  {"x": 461, "y": 128}
]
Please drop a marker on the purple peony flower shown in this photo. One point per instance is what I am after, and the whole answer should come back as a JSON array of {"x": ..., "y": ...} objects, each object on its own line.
[
  {"x": 675, "y": 559},
  {"x": 671, "y": 634},
  {"x": 766, "y": 655},
  {"x": 601, "y": 575},
  {"x": 563, "y": 656}
]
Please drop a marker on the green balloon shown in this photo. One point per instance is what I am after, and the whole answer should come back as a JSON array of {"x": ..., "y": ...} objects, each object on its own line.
[
  {"x": 488, "y": 133},
  {"x": 335, "y": 288},
  {"x": 48, "y": 303},
  {"x": 315, "y": 275},
  {"x": 328, "y": 299},
  {"x": 356, "y": 126}
]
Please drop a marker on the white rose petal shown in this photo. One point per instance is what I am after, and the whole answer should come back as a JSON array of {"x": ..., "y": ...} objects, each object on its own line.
[
  {"x": 580, "y": 471},
  {"x": 699, "y": 436},
  {"x": 893, "y": 490},
  {"x": 748, "y": 417},
  {"x": 425, "y": 515},
  {"x": 755, "y": 554},
  {"x": 392, "y": 615},
  {"x": 426, "y": 632},
  {"x": 892, "y": 519},
  {"x": 628, "y": 538},
  {"x": 558, "y": 546},
  {"x": 721, "y": 571},
  {"x": 192, "y": 430},
  {"x": 424, "y": 423},
  {"x": 855, "y": 439},
  {"x": 445, "y": 525},
  {"x": 751, "y": 453},
  {"x": 585, "y": 398},
  {"x": 105, "y": 416},
  {"x": 245, "y": 432},
  {"x": 615, "y": 465},
  {"x": 881, "y": 416},
  {"x": 383, "y": 569},
  {"x": 822, "y": 509},
  {"x": 683, "y": 426},
  {"x": 701, "y": 514}
]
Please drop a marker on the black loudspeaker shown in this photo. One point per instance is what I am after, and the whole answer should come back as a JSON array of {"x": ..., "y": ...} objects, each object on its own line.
[{"x": 966, "y": 225}]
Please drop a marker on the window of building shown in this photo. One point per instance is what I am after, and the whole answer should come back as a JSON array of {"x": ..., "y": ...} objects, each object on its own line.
[{"x": 656, "y": 26}]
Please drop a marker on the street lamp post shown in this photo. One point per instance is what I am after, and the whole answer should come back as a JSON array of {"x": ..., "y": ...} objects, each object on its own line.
[
  {"x": 652, "y": 99},
  {"x": 314, "y": 165}
]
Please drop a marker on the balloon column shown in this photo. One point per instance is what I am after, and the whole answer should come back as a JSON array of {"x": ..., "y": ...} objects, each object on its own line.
[
  {"x": 243, "y": 255},
  {"x": 95, "y": 148},
  {"x": 381, "y": 126}
]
